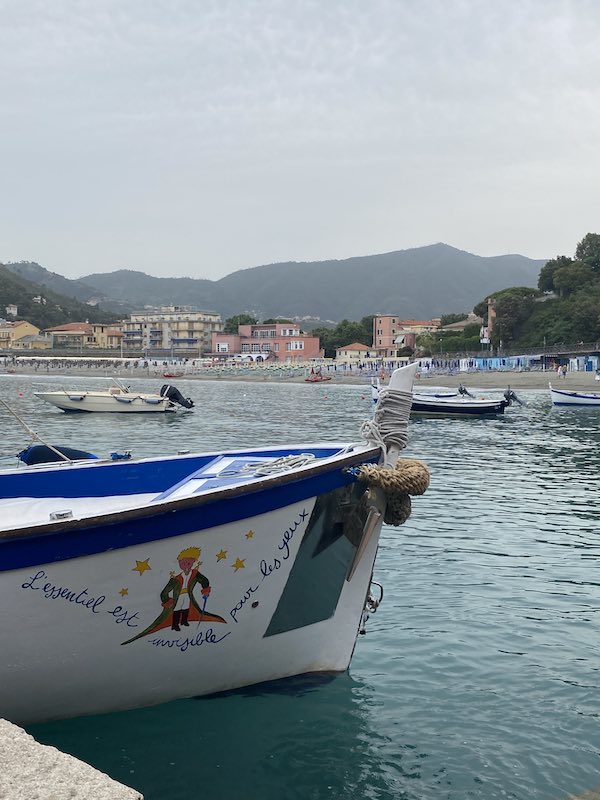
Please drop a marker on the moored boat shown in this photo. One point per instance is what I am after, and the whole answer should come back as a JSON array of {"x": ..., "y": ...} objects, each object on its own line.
[
  {"x": 117, "y": 399},
  {"x": 450, "y": 403},
  {"x": 130, "y": 583},
  {"x": 565, "y": 397},
  {"x": 316, "y": 376}
]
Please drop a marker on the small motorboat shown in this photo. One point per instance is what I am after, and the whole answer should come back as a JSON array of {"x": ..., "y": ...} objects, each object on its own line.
[
  {"x": 117, "y": 399},
  {"x": 316, "y": 376},
  {"x": 455, "y": 403},
  {"x": 134, "y": 582},
  {"x": 564, "y": 397}
]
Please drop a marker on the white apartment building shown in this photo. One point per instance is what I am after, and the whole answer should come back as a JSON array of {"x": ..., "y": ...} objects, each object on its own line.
[{"x": 177, "y": 330}]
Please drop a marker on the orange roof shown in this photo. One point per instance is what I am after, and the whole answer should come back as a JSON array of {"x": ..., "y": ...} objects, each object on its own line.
[
  {"x": 354, "y": 346},
  {"x": 83, "y": 327}
]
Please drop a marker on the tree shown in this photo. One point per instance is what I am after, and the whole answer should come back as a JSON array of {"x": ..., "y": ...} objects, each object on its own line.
[
  {"x": 449, "y": 319},
  {"x": 513, "y": 307},
  {"x": 572, "y": 277},
  {"x": 588, "y": 251},
  {"x": 232, "y": 323},
  {"x": 547, "y": 272},
  {"x": 274, "y": 321}
]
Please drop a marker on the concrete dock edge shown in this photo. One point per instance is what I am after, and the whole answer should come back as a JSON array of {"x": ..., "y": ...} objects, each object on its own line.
[{"x": 33, "y": 771}]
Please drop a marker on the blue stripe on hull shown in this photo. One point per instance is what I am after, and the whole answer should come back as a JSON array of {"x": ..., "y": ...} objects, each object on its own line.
[
  {"x": 88, "y": 540},
  {"x": 458, "y": 412},
  {"x": 119, "y": 478}
]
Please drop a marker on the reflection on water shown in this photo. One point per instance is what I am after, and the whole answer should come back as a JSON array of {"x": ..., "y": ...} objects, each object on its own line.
[{"x": 480, "y": 673}]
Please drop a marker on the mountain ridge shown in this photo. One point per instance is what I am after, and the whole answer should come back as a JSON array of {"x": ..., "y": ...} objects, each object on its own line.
[{"x": 420, "y": 283}]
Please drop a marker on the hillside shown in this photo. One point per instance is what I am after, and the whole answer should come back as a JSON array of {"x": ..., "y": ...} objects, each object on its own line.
[
  {"x": 422, "y": 282},
  {"x": 56, "y": 309}
]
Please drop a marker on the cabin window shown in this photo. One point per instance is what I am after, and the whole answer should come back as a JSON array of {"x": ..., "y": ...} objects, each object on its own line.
[{"x": 326, "y": 552}]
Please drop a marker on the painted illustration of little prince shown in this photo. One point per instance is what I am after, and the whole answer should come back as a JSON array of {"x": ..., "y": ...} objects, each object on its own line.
[{"x": 180, "y": 605}]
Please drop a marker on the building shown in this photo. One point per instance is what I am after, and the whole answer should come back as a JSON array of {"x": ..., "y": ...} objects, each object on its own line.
[
  {"x": 279, "y": 341},
  {"x": 11, "y": 310},
  {"x": 84, "y": 335},
  {"x": 391, "y": 334},
  {"x": 353, "y": 353},
  {"x": 179, "y": 330},
  {"x": 32, "y": 342},
  {"x": 11, "y": 332}
]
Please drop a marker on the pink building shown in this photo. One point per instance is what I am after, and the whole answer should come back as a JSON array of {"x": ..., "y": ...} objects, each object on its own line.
[
  {"x": 391, "y": 334},
  {"x": 281, "y": 341}
]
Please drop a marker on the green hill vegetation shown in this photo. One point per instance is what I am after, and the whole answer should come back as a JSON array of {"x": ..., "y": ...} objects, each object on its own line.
[
  {"x": 563, "y": 308},
  {"x": 49, "y": 308}
]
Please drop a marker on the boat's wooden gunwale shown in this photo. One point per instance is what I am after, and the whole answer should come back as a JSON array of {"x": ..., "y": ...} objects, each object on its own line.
[{"x": 185, "y": 503}]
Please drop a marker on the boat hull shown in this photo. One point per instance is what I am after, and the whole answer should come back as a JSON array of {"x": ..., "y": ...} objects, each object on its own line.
[
  {"x": 101, "y": 402},
  {"x": 566, "y": 398},
  {"x": 459, "y": 407},
  {"x": 88, "y": 609}
]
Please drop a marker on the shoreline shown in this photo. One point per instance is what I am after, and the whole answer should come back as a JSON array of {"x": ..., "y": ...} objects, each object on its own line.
[{"x": 536, "y": 379}]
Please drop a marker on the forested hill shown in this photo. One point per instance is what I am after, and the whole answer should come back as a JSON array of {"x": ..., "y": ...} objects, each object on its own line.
[
  {"x": 420, "y": 283},
  {"x": 56, "y": 310}
]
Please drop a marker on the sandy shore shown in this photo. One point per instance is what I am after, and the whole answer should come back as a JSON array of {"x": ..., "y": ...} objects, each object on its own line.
[{"x": 476, "y": 380}]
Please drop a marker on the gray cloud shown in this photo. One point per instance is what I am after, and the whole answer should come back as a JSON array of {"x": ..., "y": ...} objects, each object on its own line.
[{"x": 200, "y": 137}]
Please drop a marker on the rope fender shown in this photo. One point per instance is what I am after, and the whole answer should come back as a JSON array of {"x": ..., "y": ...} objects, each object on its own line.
[{"x": 409, "y": 477}]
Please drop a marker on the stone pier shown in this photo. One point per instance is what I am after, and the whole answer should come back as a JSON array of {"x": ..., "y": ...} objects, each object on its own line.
[{"x": 33, "y": 771}]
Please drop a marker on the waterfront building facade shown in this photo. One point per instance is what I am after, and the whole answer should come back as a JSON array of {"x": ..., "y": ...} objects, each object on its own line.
[
  {"x": 84, "y": 335},
  {"x": 279, "y": 341},
  {"x": 391, "y": 333},
  {"x": 180, "y": 330},
  {"x": 353, "y": 353},
  {"x": 11, "y": 332}
]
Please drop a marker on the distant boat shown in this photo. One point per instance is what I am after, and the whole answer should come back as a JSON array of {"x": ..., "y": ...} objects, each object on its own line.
[
  {"x": 563, "y": 397},
  {"x": 117, "y": 399},
  {"x": 316, "y": 376},
  {"x": 131, "y": 583},
  {"x": 173, "y": 374},
  {"x": 452, "y": 403}
]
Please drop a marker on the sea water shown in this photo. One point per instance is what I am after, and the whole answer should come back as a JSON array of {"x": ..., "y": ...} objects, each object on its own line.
[{"x": 479, "y": 675}]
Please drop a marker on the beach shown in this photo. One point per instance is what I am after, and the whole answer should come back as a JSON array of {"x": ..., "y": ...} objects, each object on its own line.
[{"x": 482, "y": 379}]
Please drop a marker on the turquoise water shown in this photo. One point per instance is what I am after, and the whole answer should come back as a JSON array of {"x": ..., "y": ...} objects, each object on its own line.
[{"x": 479, "y": 675}]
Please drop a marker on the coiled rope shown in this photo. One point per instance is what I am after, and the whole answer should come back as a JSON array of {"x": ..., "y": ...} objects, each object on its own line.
[
  {"x": 408, "y": 477},
  {"x": 389, "y": 425},
  {"x": 389, "y": 428}
]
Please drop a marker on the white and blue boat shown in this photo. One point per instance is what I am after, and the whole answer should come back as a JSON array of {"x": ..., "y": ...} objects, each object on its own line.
[
  {"x": 130, "y": 583},
  {"x": 565, "y": 397},
  {"x": 454, "y": 403}
]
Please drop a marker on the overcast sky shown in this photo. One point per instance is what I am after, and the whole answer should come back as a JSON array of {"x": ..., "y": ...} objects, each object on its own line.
[{"x": 197, "y": 138}]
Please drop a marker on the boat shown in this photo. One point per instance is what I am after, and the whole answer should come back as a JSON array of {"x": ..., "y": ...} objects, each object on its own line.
[
  {"x": 316, "y": 376},
  {"x": 117, "y": 399},
  {"x": 564, "y": 397},
  {"x": 455, "y": 403},
  {"x": 173, "y": 374},
  {"x": 131, "y": 583}
]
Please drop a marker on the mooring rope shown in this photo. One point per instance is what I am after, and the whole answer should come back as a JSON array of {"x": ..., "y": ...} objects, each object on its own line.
[
  {"x": 389, "y": 425},
  {"x": 408, "y": 477}
]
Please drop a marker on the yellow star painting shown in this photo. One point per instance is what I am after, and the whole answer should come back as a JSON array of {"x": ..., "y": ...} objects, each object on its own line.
[
  {"x": 221, "y": 555},
  {"x": 141, "y": 566},
  {"x": 239, "y": 564}
]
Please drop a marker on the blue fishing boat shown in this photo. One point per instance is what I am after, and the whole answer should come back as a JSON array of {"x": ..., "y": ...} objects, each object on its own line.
[{"x": 133, "y": 582}]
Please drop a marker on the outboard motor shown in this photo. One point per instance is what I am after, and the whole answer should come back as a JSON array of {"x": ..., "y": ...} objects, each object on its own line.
[
  {"x": 511, "y": 397},
  {"x": 175, "y": 396},
  {"x": 464, "y": 391}
]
